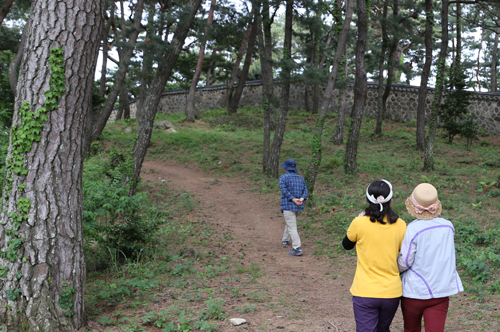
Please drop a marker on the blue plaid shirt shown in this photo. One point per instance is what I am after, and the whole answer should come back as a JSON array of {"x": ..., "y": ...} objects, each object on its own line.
[{"x": 292, "y": 185}]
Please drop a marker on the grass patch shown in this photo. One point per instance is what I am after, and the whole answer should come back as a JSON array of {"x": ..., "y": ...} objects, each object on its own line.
[{"x": 172, "y": 287}]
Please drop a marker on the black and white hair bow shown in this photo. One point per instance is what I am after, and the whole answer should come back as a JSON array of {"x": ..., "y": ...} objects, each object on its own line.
[{"x": 380, "y": 199}]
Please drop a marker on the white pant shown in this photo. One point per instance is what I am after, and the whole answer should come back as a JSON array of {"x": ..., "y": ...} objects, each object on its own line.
[{"x": 291, "y": 228}]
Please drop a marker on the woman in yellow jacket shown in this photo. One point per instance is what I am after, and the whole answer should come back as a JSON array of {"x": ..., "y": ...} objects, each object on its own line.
[{"x": 377, "y": 234}]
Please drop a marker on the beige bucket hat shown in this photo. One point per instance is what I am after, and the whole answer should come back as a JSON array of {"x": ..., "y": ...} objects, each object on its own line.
[{"x": 423, "y": 202}]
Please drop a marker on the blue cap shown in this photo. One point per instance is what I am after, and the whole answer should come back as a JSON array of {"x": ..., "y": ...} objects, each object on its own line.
[{"x": 289, "y": 165}]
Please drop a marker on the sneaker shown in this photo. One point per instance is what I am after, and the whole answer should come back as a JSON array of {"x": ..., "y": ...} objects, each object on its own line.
[
  {"x": 285, "y": 244},
  {"x": 296, "y": 252}
]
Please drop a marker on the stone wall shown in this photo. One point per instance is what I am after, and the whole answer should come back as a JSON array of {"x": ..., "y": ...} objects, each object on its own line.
[{"x": 401, "y": 105}]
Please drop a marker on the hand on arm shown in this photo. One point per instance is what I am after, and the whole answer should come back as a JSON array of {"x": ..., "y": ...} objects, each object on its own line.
[{"x": 406, "y": 255}]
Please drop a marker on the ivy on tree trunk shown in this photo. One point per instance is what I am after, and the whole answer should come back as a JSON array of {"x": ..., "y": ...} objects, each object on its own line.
[{"x": 41, "y": 243}]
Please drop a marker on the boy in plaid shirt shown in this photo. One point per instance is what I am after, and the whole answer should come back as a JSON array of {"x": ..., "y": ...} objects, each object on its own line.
[{"x": 293, "y": 194}]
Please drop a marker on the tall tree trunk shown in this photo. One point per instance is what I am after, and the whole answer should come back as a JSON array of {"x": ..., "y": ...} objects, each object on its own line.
[
  {"x": 5, "y": 9},
  {"x": 147, "y": 60},
  {"x": 199, "y": 64},
  {"x": 266, "y": 55},
  {"x": 236, "y": 97},
  {"x": 14, "y": 65},
  {"x": 381, "y": 68},
  {"x": 392, "y": 64},
  {"x": 494, "y": 62},
  {"x": 459, "y": 32},
  {"x": 307, "y": 88},
  {"x": 315, "y": 87},
  {"x": 478, "y": 67},
  {"x": 272, "y": 167},
  {"x": 120, "y": 74},
  {"x": 104, "y": 66},
  {"x": 360, "y": 90},
  {"x": 126, "y": 104},
  {"x": 236, "y": 67},
  {"x": 148, "y": 112},
  {"x": 338, "y": 135},
  {"x": 119, "y": 114},
  {"x": 43, "y": 265},
  {"x": 209, "y": 70},
  {"x": 328, "y": 42},
  {"x": 424, "y": 78},
  {"x": 429, "y": 142},
  {"x": 124, "y": 107},
  {"x": 328, "y": 96}
]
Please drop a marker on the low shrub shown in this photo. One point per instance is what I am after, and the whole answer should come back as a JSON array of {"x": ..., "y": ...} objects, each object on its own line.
[{"x": 116, "y": 226}]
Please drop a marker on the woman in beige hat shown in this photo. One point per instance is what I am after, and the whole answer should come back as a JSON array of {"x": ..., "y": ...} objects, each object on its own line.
[{"x": 427, "y": 260}]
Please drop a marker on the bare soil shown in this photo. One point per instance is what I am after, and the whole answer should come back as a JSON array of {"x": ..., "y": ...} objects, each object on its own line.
[{"x": 314, "y": 291}]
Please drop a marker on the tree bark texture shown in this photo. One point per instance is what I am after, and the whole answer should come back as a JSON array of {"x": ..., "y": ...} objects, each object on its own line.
[
  {"x": 360, "y": 90},
  {"x": 104, "y": 66},
  {"x": 119, "y": 114},
  {"x": 150, "y": 106},
  {"x": 459, "y": 32},
  {"x": 266, "y": 64},
  {"x": 328, "y": 42},
  {"x": 5, "y": 9},
  {"x": 51, "y": 258},
  {"x": 124, "y": 109},
  {"x": 199, "y": 64},
  {"x": 307, "y": 88},
  {"x": 125, "y": 56},
  {"x": 236, "y": 97},
  {"x": 424, "y": 78},
  {"x": 392, "y": 63},
  {"x": 429, "y": 142},
  {"x": 494, "y": 62},
  {"x": 317, "y": 145},
  {"x": 315, "y": 87},
  {"x": 14, "y": 65},
  {"x": 381, "y": 66},
  {"x": 274, "y": 156},
  {"x": 478, "y": 67},
  {"x": 126, "y": 104},
  {"x": 338, "y": 135},
  {"x": 147, "y": 60}
]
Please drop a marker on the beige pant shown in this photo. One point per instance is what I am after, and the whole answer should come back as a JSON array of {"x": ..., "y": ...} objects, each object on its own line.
[{"x": 291, "y": 228}]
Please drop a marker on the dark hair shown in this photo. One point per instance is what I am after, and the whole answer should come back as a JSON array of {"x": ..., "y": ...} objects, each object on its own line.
[{"x": 380, "y": 188}]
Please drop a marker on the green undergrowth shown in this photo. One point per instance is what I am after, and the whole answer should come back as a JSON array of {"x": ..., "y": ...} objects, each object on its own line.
[
  {"x": 178, "y": 273},
  {"x": 154, "y": 262},
  {"x": 232, "y": 146}
]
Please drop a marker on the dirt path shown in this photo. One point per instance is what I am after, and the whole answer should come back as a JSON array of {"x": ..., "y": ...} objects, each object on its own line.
[{"x": 315, "y": 292}]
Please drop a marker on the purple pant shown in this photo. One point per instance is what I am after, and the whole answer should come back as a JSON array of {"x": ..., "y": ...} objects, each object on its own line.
[{"x": 374, "y": 315}]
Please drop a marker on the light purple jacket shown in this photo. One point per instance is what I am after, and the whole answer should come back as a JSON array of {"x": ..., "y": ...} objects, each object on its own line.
[{"x": 427, "y": 258}]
